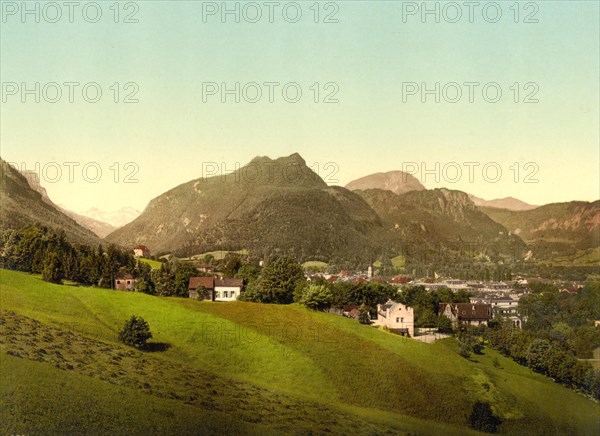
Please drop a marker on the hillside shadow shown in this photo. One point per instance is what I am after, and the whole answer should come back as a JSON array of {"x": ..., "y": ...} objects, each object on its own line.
[{"x": 153, "y": 347}]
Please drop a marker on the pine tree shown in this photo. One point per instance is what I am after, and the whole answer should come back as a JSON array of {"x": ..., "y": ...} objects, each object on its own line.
[{"x": 52, "y": 270}]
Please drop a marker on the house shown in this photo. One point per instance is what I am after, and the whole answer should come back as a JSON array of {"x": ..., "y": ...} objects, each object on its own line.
[
  {"x": 504, "y": 306},
  {"x": 216, "y": 289},
  {"x": 205, "y": 268},
  {"x": 228, "y": 289},
  {"x": 399, "y": 280},
  {"x": 141, "y": 251},
  {"x": 476, "y": 314},
  {"x": 208, "y": 283},
  {"x": 397, "y": 317},
  {"x": 125, "y": 282},
  {"x": 353, "y": 311}
]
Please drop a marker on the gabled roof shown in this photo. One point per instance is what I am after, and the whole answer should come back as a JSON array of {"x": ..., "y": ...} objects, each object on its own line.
[
  {"x": 468, "y": 311},
  {"x": 207, "y": 282},
  {"x": 141, "y": 247},
  {"x": 124, "y": 277},
  {"x": 391, "y": 305},
  {"x": 229, "y": 282}
]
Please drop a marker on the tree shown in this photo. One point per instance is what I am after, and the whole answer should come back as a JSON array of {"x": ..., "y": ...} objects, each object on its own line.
[
  {"x": 249, "y": 272},
  {"x": 278, "y": 280},
  {"x": 317, "y": 297},
  {"x": 182, "y": 278},
  {"x": 363, "y": 315},
  {"x": 299, "y": 291},
  {"x": 135, "y": 332},
  {"x": 483, "y": 419},
  {"x": 538, "y": 355},
  {"x": 468, "y": 342},
  {"x": 231, "y": 265},
  {"x": 200, "y": 292},
  {"x": 444, "y": 324},
  {"x": 52, "y": 271}
]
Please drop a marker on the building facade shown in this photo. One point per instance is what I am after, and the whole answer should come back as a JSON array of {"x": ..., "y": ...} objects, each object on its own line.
[{"x": 397, "y": 317}]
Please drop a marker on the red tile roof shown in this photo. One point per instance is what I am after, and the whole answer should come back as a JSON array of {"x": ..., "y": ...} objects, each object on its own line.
[
  {"x": 207, "y": 282},
  {"x": 469, "y": 311},
  {"x": 212, "y": 282}
]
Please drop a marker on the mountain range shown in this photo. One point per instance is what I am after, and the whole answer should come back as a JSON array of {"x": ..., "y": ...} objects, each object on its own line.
[
  {"x": 280, "y": 206},
  {"x": 261, "y": 208},
  {"x": 509, "y": 203},
  {"x": 555, "y": 229}
]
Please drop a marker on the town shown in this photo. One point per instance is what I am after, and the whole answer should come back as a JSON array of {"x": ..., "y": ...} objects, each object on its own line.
[{"x": 480, "y": 302}]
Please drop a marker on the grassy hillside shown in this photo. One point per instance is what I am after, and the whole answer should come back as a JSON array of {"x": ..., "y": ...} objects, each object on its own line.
[
  {"x": 154, "y": 264},
  {"x": 278, "y": 367}
]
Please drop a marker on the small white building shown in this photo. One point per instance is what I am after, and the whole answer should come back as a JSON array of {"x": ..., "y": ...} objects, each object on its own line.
[
  {"x": 141, "y": 251},
  {"x": 215, "y": 288},
  {"x": 228, "y": 289},
  {"x": 397, "y": 317}
]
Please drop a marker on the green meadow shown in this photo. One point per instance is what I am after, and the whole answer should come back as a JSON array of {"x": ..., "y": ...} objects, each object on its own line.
[
  {"x": 248, "y": 368},
  {"x": 154, "y": 264}
]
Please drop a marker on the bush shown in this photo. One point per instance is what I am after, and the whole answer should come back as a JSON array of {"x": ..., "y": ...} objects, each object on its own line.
[
  {"x": 316, "y": 297},
  {"x": 482, "y": 418},
  {"x": 135, "y": 332},
  {"x": 363, "y": 315},
  {"x": 464, "y": 350},
  {"x": 444, "y": 324}
]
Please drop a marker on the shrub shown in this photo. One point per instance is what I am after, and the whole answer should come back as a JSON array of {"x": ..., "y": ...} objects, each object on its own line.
[
  {"x": 483, "y": 419},
  {"x": 363, "y": 315},
  {"x": 316, "y": 297},
  {"x": 444, "y": 324},
  {"x": 135, "y": 332},
  {"x": 464, "y": 350}
]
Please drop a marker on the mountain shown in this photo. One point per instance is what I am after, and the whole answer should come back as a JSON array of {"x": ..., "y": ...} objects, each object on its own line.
[
  {"x": 275, "y": 205},
  {"x": 100, "y": 228},
  {"x": 440, "y": 218},
  {"x": 509, "y": 203},
  {"x": 115, "y": 218},
  {"x": 23, "y": 206},
  {"x": 396, "y": 181},
  {"x": 282, "y": 207},
  {"x": 554, "y": 229}
]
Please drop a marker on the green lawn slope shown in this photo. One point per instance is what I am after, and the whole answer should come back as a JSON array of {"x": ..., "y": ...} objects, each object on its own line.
[{"x": 281, "y": 368}]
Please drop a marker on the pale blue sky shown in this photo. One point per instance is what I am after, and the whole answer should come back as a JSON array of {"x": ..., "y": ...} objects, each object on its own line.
[{"x": 369, "y": 54}]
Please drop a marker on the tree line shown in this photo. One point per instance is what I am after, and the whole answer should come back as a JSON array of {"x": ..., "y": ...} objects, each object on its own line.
[
  {"x": 41, "y": 250},
  {"x": 558, "y": 333}
]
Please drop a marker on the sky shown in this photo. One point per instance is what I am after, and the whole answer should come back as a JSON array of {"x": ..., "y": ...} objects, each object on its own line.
[{"x": 114, "y": 103}]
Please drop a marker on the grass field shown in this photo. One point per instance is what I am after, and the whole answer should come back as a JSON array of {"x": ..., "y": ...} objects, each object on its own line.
[
  {"x": 315, "y": 265},
  {"x": 219, "y": 255},
  {"x": 154, "y": 264},
  {"x": 270, "y": 368}
]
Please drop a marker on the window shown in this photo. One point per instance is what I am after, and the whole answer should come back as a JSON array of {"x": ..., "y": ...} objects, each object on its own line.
[
  {"x": 128, "y": 282},
  {"x": 401, "y": 319},
  {"x": 217, "y": 294},
  {"x": 118, "y": 282},
  {"x": 225, "y": 294},
  {"x": 397, "y": 320}
]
